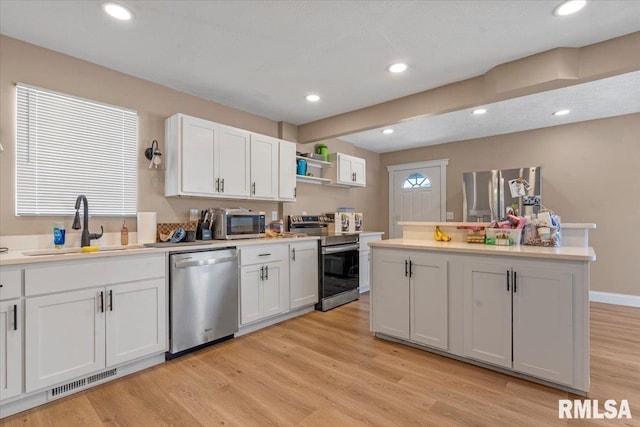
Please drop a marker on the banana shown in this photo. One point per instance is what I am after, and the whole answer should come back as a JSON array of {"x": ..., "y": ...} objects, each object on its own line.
[{"x": 439, "y": 236}]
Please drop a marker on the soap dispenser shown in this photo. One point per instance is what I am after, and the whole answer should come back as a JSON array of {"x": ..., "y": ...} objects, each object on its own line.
[{"x": 124, "y": 234}]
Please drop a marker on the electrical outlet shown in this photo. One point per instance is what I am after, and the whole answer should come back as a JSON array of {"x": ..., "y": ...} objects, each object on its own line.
[
  {"x": 274, "y": 215},
  {"x": 449, "y": 215}
]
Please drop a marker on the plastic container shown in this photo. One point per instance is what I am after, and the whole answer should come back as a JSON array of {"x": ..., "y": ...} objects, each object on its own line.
[
  {"x": 302, "y": 167},
  {"x": 503, "y": 236},
  {"x": 59, "y": 233}
]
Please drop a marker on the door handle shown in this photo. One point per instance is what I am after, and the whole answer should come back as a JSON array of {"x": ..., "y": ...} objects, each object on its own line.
[
  {"x": 410, "y": 268},
  {"x": 266, "y": 273},
  {"x": 101, "y": 302},
  {"x": 406, "y": 268},
  {"x": 515, "y": 283},
  {"x": 218, "y": 184},
  {"x": 293, "y": 254},
  {"x": 111, "y": 300},
  {"x": 262, "y": 273},
  {"x": 508, "y": 280},
  {"x": 222, "y": 185},
  {"x": 15, "y": 317}
]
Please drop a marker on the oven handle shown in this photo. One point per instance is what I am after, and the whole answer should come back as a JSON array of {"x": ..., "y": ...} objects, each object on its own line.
[{"x": 339, "y": 248}]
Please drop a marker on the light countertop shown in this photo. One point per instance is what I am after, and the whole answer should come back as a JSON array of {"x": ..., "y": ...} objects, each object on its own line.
[
  {"x": 569, "y": 253},
  {"x": 14, "y": 257}
]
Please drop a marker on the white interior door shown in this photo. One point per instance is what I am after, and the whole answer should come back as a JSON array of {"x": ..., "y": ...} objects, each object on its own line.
[{"x": 416, "y": 193}]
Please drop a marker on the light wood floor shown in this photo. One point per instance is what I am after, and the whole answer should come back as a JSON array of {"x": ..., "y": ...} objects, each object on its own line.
[{"x": 325, "y": 369}]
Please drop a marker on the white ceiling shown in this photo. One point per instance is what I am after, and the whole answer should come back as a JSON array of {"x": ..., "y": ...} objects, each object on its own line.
[
  {"x": 614, "y": 96},
  {"x": 265, "y": 56}
]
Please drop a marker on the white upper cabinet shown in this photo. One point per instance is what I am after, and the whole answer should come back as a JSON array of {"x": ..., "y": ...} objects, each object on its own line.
[
  {"x": 264, "y": 166},
  {"x": 208, "y": 159},
  {"x": 190, "y": 150},
  {"x": 287, "y": 171},
  {"x": 349, "y": 171},
  {"x": 232, "y": 160}
]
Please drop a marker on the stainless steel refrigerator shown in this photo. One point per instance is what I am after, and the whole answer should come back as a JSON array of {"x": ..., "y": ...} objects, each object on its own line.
[{"x": 487, "y": 194}]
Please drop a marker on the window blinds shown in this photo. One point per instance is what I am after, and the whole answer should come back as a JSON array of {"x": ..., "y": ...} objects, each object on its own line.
[{"x": 68, "y": 146}]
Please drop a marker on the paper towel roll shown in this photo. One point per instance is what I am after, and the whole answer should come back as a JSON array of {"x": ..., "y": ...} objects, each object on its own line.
[{"x": 147, "y": 225}]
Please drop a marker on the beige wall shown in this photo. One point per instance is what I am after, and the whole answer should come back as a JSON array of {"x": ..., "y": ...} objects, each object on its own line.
[
  {"x": 590, "y": 173},
  {"x": 26, "y": 63}
]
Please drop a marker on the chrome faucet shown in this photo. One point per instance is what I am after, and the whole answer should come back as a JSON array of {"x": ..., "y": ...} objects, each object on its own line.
[{"x": 86, "y": 236}]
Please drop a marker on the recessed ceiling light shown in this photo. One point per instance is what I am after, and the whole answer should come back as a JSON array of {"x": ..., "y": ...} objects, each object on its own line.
[
  {"x": 312, "y": 97},
  {"x": 118, "y": 11},
  {"x": 561, "y": 112},
  {"x": 479, "y": 111},
  {"x": 387, "y": 131},
  {"x": 397, "y": 67},
  {"x": 569, "y": 7}
]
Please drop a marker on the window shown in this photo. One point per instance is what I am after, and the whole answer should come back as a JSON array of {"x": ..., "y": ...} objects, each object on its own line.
[
  {"x": 68, "y": 146},
  {"x": 416, "y": 180}
]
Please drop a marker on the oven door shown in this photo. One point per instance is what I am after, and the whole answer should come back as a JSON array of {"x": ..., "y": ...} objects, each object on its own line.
[{"x": 340, "y": 269}]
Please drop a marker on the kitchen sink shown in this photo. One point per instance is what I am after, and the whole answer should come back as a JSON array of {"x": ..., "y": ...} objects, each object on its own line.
[{"x": 64, "y": 251}]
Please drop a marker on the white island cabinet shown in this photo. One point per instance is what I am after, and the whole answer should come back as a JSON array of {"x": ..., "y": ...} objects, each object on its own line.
[{"x": 521, "y": 310}]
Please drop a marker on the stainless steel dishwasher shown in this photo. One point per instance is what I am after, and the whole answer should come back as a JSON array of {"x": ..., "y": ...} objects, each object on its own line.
[{"x": 203, "y": 293}]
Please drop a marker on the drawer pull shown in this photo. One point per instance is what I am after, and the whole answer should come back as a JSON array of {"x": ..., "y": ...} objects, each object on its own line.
[{"x": 264, "y": 254}]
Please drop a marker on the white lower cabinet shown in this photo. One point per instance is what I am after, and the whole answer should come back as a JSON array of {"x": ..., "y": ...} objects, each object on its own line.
[
  {"x": 410, "y": 298},
  {"x": 260, "y": 291},
  {"x": 520, "y": 317},
  {"x": 365, "y": 260},
  {"x": 136, "y": 320},
  {"x": 11, "y": 329},
  {"x": 263, "y": 285},
  {"x": 64, "y": 337},
  {"x": 78, "y": 324},
  {"x": 303, "y": 274}
]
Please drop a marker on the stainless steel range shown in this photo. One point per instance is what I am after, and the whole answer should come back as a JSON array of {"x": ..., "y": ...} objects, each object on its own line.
[{"x": 339, "y": 262}]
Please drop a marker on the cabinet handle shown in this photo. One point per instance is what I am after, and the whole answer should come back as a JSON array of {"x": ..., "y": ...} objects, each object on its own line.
[
  {"x": 15, "y": 317},
  {"x": 222, "y": 185},
  {"x": 515, "y": 283},
  {"x": 1, "y": 285},
  {"x": 266, "y": 273},
  {"x": 101, "y": 302},
  {"x": 110, "y": 300},
  {"x": 410, "y": 268},
  {"x": 293, "y": 254},
  {"x": 508, "y": 280},
  {"x": 264, "y": 254},
  {"x": 406, "y": 268},
  {"x": 262, "y": 273},
  {"x": 217, "y": 184},
  {"x": 295, "y": 191},
  {"x": 253, "y": 188}
]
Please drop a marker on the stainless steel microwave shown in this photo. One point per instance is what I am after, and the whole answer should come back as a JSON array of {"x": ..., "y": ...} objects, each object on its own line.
[{"x": 238, "y": 224}]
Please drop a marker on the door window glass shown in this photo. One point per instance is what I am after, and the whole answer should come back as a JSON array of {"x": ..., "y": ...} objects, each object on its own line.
[{"x": 416, "y": 180}]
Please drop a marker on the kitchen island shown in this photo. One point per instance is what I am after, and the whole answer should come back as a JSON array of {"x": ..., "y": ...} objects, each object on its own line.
[{"x": 521, "y": 310}]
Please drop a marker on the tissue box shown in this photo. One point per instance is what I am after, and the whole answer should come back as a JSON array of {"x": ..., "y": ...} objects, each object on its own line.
[
  {"x": 342, "y": 222},
  {"x": 357, "y": 221}
]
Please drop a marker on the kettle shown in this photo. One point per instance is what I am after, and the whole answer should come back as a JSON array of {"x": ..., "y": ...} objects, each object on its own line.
[{"x": 323, "y": 150}]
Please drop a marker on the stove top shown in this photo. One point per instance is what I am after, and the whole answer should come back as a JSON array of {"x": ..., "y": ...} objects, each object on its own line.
[{"x": 318, "y": 225}]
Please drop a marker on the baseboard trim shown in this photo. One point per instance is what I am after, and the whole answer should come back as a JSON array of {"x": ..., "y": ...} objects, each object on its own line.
[{"x": 616, "y": 299}]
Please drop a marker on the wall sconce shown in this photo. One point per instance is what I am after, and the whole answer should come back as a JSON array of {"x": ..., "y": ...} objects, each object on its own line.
[{"x": 153, "y": 155}]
